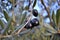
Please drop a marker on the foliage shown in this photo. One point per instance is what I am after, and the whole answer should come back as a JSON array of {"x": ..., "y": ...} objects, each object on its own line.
[{"x": 13, "y": 30}]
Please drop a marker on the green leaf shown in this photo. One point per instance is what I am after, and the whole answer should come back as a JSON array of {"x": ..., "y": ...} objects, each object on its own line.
[
  {"x": 56, "y": 36},
  {"x": 1, "y": 23},
  {"x": 49, "y": 28},
  {"x": 26, "y": 8},
  {"x": 34, "y": 3},
  {"x": 58, "y": 17},
  {"x": 11, "y": 27},
  {"x": 40, "y": 20},
  {"x": 54, "y": 20},
  {"x": 13, "y": 2},
  {"x": 17, "y": 28},
  {"x": 23, "y": 17},
  {"x": 47, "y": 34},
  {"x": 8, "y": 26},
  {"x": 54, "y": 17},
  {"x": 43, "y": 30},
  {"x": 6, "y": 15},
  {"x": 43, "y": 37},
  {"x": 24, "y": 32}
]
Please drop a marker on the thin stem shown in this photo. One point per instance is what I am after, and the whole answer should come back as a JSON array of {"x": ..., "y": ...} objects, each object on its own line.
[
  {"x": 24, "y": 25},
  {"x": 16, "y": 33},
  {"x": 48, "y": 12},
  {"x": 4, "y": 36}
]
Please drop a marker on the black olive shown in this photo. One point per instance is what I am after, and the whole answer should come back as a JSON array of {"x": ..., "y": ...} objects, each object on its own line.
[
  {"x": 29, "y": 26},
  {"x": 35, "y": 12},
  {"x": 34, "y": 22}
]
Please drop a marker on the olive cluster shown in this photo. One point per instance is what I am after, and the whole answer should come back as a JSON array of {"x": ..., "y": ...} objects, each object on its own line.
[{"x": 34, "y": 22}]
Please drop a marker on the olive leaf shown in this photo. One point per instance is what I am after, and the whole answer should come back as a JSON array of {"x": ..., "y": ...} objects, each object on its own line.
[
  {"x": 7, "y": 28},
  {"x": 42, "y": 29},
  {"x": 56, "y": 36},
  {"x": 25, "y": 32},
  {"x": 43, "y": 37},
  {"x": 47, "y": 34},
  {"x": 26, "y": 8},
  {"x": 2, "y": 24},
  {"x": 22, "y": 18},
  {"x": 6, "y": 15},
  {"x": 11, "y": 27},
  {"x": 40, "y": 20},
  {"x": 54, "y": 17},
  {"x": 13, "y": 17},
  {"x": 54, "y": 20},
  {"x": 13, "y": 1},
  {"x": 58, "y": 17},
  {"x": 34, "y": 3},
  {"x": 17, "y": 28},
  {"x": 49, "y": 28}
]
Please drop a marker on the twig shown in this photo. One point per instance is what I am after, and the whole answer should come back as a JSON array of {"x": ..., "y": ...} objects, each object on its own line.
[
  {"x": 29, "y": 3},
  {"x": 26, "y": 22},
  {"x": 48, "y": 12},
  {"x": 4, "y": 36},
  {"x": 23, "y": 26},
  {"x": 16, "y": 33},
  {"x": 24, "y": 32}
]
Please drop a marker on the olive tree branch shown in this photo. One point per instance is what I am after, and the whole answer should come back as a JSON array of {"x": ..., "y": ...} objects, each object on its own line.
[
  {"x": 47, "y": 9},
  {"x": 16, "y": 33}
]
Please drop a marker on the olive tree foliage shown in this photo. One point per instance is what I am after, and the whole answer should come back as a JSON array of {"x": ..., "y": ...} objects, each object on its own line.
[{"x": 14, "y": 13}]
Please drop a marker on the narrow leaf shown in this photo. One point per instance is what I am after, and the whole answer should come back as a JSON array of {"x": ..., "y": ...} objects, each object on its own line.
[
  {"x": 13, "y": 17},
  {"x": 40, "y": 20},
  {"x": 1, "y": 23},
  {"x": 6, "y": 15},
  {"x": 26, "y": 8},
  {"x": 34, "y": 3},
  {"x": 8, "y": 26},
  {"x": 23, "y": 16},
  {"x": 47, "y": 34},
  {"x": 54, "y": 17},
  {"x": 58, "y": 17},
  {"x": 49, "y": 28}
]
